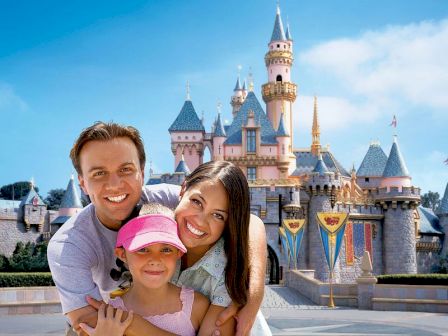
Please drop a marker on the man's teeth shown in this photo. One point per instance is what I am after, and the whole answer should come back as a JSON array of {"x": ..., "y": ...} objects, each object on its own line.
[
  {"x": 194, "y": 230},
  {"x": 117, "y": 199}
]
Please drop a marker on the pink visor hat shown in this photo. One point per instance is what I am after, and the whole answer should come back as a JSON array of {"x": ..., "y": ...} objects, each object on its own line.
[{"x": 147, "y": 230}]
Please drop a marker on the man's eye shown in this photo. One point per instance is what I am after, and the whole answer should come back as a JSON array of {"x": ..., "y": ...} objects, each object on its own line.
[
  {"x": 126, "y": 169},
  {"x": 99, "y": 173}
]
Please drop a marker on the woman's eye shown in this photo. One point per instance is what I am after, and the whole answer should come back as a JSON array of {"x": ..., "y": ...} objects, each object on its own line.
[{"x": 219, "y": 216}]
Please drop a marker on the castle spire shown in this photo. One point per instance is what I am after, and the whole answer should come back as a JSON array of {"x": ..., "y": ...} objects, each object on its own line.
[
  {"x": 278, "y": 34},
  {"x": 395, "y": 165},
  {"x": 315, "y": 146},
  {"x": 238, "y": 84},
  {"x": 188, "y": 91},
  {"x": 251, "y": 80},
  {"x": 443, "y": 207},
  {"x": 288, "y": 32}
]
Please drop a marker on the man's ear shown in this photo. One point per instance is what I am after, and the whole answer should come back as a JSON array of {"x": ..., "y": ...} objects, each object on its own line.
[
  {"x": 82, "y": 184},
  {"x": 121, "y": 254}
]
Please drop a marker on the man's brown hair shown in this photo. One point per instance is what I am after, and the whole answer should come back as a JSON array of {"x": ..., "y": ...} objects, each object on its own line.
[{"x": 101, "y": 131}]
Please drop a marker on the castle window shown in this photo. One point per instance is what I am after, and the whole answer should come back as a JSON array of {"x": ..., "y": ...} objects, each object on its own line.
[
  {"x": 366, "y": 179},
  {"x": 251, "y": 173},
  {"x": 279, "y": 78},
  {"x": 178, "y": 137},
  {"x": 186, "y": 137},
  {"x": 194, "y": 137},
  {"x": 251, "y": 144},
  {"x": 278, "y": 45}
]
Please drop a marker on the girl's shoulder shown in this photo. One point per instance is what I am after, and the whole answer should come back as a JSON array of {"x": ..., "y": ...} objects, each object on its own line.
[{"x": 200, "y": 307}]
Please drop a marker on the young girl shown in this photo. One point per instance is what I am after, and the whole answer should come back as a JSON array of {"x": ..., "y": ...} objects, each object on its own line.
[{"x": 150, "y": 247}]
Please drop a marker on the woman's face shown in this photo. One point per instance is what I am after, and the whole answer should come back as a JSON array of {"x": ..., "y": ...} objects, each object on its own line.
[{"x": 202, "y": 215}]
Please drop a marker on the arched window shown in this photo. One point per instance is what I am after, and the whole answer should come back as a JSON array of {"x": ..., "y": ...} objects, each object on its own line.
[{"x": 279, "y": 78}]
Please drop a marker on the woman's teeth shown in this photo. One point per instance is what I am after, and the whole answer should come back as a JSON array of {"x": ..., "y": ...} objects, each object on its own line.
[{"x": 194, "y": 230}]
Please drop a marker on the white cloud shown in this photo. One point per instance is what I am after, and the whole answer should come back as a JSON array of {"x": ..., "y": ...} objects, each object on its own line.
[
  {"x": 9, "y": 100},
  {"x": 435, "y": 181},
  {"x": 391, "y": 67}
]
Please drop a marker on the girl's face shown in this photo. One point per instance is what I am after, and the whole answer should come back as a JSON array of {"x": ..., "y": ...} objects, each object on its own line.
[
  {"x": 202, "y": 215},
  {"x": 152, "y": 266}
]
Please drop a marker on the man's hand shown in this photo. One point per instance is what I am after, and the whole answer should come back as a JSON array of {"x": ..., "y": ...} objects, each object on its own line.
[
  {"x": 245, "y": 318},
  {"x": 108, "y": 323}
]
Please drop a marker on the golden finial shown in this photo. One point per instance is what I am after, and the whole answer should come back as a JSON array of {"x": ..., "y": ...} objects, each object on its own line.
[{"x": 315, "y": 133}]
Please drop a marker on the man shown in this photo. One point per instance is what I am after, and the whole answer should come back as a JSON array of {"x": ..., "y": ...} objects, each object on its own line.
[{"x": 110, "y": 161}]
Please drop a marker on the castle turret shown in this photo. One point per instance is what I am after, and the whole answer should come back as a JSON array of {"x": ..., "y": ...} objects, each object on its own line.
[
  {"x": 219, "y": 136},
  {"x": 442, "y": 213},
  {"x": 70, "y": 204},
  {"x": 370, "y": 172},
  {"x": 33, "y": 209},
  {"x": 315, "y": 133},
  {"x": 322, "y": 186},
  {"x": 398, "y": 200},
  {"x": 187, "y": 135},
  {"x": 238, "y": 97},
  {"x": 395, "y": 173},
  {"x": 279, "y": 93}
]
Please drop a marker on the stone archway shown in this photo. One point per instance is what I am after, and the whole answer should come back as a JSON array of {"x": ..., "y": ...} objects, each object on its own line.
[{"x": 272, "y": 268}]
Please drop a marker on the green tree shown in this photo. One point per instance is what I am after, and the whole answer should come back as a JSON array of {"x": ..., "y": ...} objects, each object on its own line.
[
  {"x": 442, "y": 267},
  {"x": 16, "y": 190},
  {"x": 29, "y": 257},
  {"x": 431, "y": 200},
  {"x": 54, "y": 198}
]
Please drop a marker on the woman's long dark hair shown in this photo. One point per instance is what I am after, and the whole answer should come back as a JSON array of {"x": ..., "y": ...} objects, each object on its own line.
[{"x": 236, "y": 230}]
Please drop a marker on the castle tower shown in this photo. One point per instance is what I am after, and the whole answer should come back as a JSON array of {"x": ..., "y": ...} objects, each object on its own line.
[
  {"x": 315, "y": 133},
  {"x": 70, "y": 204},
  {"x": 442, "y": 213},
  {"x": 398, "y": 200},
  {"x": 219, "y": 136},
  {"x": 370, "y": 172},
  {"x": 321, "y": 186},
  {"x": 279, "y": 93},
  {"x": 187, "y": 135},
  {"x": 239, "y": 95},
  {"x": 285, "y": 162},
  {"x": 33, "y": 209}
]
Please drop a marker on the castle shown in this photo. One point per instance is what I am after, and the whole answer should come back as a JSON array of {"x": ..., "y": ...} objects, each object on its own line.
[{"x": 383, "y": 206}]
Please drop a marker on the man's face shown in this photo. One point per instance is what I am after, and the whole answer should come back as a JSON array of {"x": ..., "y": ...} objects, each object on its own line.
[{"x": 112, "y": 177}]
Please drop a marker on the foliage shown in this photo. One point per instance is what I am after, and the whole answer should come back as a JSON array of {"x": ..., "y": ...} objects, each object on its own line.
[
  {"x": 414, "y": 279},
  {"x": 431, "y": 200},
  {"x": 442, "y": 267},
  {"x": 17, "y": 190},
  {"x": 28, "y": 257},
  {"x": 3, "y": 263},
  {"x": 26, "y": 279},
  {"x": 54, "y": 198}
]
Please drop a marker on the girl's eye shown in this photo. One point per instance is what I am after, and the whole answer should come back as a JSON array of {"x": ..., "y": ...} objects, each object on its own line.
[
  {"x": 143, "y": 250},
  {"x": 167, "y": 250}
]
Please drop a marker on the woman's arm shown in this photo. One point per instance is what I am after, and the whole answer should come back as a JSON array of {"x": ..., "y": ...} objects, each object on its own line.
[
  {"x": 208, "y": 325},
  {"x": 257, "y": 266}
]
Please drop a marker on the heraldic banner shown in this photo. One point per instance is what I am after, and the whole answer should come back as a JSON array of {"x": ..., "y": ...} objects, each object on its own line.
[
  {"x": 332, "y": 226},
  {"x": 291, "y": 234}
]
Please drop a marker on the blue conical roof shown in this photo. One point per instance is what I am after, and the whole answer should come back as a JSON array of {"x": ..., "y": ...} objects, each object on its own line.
[
  {"x": 182, "y": 167},
  {"x": 443, "y": 207},
  {"x": 219, "y": 129},
  {"x": 395, "y": 166},
  {"x": 251, "y": 104},
  {"x": 237, "y": 85},
  {"x": 71, "y": 197},
  {"x": 320, "y": 167},
  {"x": 288, "y": 33},
  {"x": 278, "y": 33},
  {"x": 187, "y": 120},
  {"x": 374, "y": 162},
  {"x": 244, "y": 85},
  {"x": 281, "y": 128},
  {"x": 32, "y": 198}
]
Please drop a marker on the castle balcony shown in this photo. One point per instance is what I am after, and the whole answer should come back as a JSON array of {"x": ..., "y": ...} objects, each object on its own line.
[
  {"x": 278, "y": 56},
  {"x": 279, "y": 90}
]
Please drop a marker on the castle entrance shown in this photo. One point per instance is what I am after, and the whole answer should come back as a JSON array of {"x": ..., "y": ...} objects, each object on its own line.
[{"x": 272, "y": 268}]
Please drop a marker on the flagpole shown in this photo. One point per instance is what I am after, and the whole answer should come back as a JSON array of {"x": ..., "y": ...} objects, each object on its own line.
[{"x": 330, "y": 300}]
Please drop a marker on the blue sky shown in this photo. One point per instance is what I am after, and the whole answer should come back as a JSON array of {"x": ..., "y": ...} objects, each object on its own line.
[{"x": 64, "y": 65}]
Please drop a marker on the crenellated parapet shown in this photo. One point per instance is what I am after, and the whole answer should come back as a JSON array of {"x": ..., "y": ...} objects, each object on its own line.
[
  {"x": 393, "y": 197},
  {"x": 278, "y": 57},
  {"x": 279, "y": 90}
]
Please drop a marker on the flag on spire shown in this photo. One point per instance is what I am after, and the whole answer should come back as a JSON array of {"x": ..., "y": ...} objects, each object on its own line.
[
  {"x": 446, "y": 161},
  {"x": 394, "y": 121}
]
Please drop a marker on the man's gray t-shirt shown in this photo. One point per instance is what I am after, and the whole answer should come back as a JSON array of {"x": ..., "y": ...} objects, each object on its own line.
[{"x": 81, "y": 253}]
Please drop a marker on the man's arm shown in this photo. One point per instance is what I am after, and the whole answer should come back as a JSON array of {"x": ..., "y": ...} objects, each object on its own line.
[{"x": 257, "y": 265}]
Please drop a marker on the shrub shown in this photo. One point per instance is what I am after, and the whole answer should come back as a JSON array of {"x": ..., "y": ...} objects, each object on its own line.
[
  {"x": 414, "y": 279},
  {"x": 26, "y": 279},
  {"x": 442, "y": 267},
  {"x": 28, "y": 257}
]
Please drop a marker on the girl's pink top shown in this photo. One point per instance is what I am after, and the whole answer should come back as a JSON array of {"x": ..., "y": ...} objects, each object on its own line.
[{"x": 178, "y": 323}]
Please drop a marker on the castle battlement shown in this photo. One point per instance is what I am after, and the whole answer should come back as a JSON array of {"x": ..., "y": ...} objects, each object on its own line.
[
  {"x": 323, "y": 181},
  {"x": 396, "y": 194}
]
